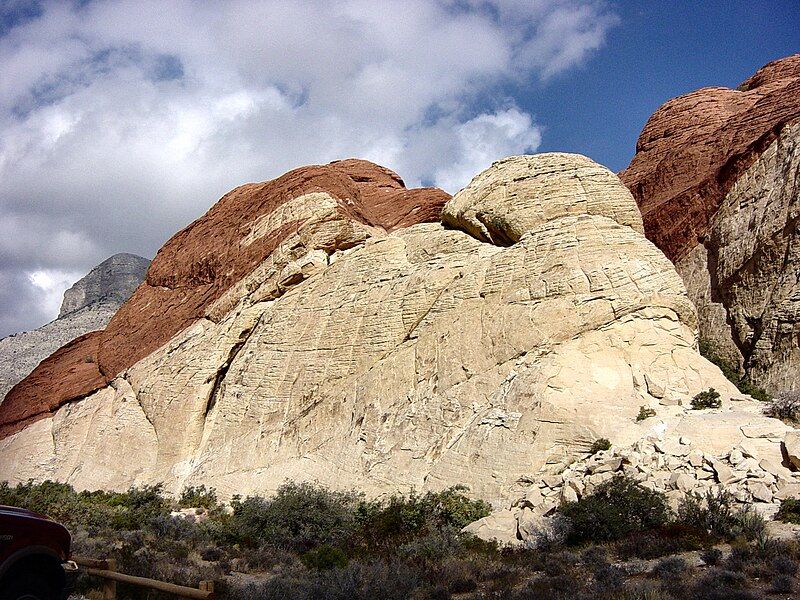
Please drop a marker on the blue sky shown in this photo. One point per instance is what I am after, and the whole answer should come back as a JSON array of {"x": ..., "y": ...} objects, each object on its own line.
[
  {"x": 121, "y": 121},
  {"x": 658, "y": 51}
]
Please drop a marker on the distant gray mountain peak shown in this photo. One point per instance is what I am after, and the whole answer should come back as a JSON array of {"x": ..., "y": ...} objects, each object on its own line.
[
  {"x": 87, "y": 306},
  {"x": 113, "y": 280}
]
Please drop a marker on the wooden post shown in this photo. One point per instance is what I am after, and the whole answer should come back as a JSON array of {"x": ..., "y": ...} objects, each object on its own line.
[
  {"x": 107, "y": 570},
  {"x": 109, "y": 585}
]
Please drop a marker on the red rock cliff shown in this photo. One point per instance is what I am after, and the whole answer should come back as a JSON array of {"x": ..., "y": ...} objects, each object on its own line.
[
  {"x": 199, "y": 264},
  {"x": 694, "y": 147}
]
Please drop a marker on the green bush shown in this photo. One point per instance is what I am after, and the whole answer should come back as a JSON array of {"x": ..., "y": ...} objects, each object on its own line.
[
  {"x": 645, "y": 413},
  {"x": 324, "y": 557},
  {"x": 599, "y": 445},
  {"x": 706, "y": 399},
  {"x": 715, "y": 512},
  {"x": 616, "y": 509},
  {"x": 130, "y": 510},
  {"x": 299, "y": 517},
  {"x": 789, "y": 511},
  {"x": 198, "y": 497},
  {"x": 661, "y": 541},
  {"x": 401, "y": 518},
  {"x": 785, "y": 406},
  {"x": 732, "y": 374}
]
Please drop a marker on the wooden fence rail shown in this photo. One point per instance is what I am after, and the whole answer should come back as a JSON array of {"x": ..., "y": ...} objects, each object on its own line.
[{"x": 107, "y": 569}]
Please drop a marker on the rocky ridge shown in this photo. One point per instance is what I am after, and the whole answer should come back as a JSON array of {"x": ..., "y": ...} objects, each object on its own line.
[
  {"x": 251, "y": 238},
  {"x": 716, "y": 177},
  {"x": 88, "y": 306},
  {"x": 384, "y": 358},
  {"x": 112, "y": 282}
]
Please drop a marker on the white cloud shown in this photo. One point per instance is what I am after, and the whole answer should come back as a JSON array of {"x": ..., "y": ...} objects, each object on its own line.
[
  {"x": 50, "y": 285},
  {"x": 484, "y": 139},
  {"x": 122, "y": 120}
]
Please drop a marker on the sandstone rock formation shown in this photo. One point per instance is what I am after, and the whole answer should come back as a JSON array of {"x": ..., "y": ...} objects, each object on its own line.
[
  {"x": 88, "y": 306},
  {"x": 358, "y": 351},
  {"x": 716, "y": 176},
  {"x": 250, "y": 239}
]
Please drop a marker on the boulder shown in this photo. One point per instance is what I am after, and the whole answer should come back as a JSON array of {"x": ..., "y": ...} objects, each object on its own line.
[
  {"x": 500, "y": 526},
  {"x": 791, "y": 443}
]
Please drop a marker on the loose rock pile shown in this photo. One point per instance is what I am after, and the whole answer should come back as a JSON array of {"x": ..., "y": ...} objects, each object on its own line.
[{"x": 674, "y": 466}]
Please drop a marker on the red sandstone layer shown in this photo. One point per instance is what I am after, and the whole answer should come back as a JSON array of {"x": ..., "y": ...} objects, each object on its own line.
[
  {"x": 199, "y": 264},
  {"x": 694, "y": 147}
]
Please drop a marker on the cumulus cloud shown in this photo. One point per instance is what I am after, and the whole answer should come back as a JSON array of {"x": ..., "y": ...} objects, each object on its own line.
[{"x": 123, "y": 120}]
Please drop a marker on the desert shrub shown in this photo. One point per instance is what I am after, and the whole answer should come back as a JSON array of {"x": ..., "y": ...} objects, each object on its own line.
[
  {"x": 324, "y": 557},
  {"x": 608, "y": 581},
  {"x": 785, "y": 406},
  {"x": 720, "y": 584},
  {"x": 671, "y": 567},
  {"x": 782, "y": 584},
  {"x": 617, "y": 508},
  {"x": 266, "y": 558},
  {"x": 435, "y": 545},
  {"x": 559, "y": 563},
  {"x": 128, "y": 511},
  {"x": 595, "y": 556},
  {"x": 599, "y": 445},
  {"x": 552, "y": 534},
  {"x": 367, "y": 581},
  {"x": 731, "y": 373},
  {"x": 785, "y": 565},
  {"x": 715, "y": 513},
  {"x": 185, "y": 529},
  {"x": 646, "y": 545},
  {"x": 645, "y": 413},
  {"x": 707, "y": 399},
  {"x": 789, "y": 512},
  {"x": 661, "y": 541},
  {"x": 749, "y": 524},
  {"x": 457, "y": 576},
  {"x": 299, "y": 517},
  {"x": 561, "y": 587},
  {"x": 211, "y": 553},
  {"x": 399, "y": 519},
  {"x": 198, "y": 497},
  {"x": 711, "y": 556}
]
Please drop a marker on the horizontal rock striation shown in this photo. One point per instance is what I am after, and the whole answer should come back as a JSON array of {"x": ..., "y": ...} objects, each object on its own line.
[
  {"x": 420, "y": 356},
  {"x": 716, "y": 176}
]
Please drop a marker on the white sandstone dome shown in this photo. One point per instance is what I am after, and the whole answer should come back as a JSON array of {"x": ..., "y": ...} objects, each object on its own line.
[{"x": 520, "y": 193}]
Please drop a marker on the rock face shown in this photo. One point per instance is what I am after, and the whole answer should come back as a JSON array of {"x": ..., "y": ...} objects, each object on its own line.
[
  {"x": 360, "y": 352},
  {"x": 111, "y": 282},
  {"x": 717, "y": 178},
  {"x": 258, "y": 239},
  {"x": 87, "y": 306}
]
